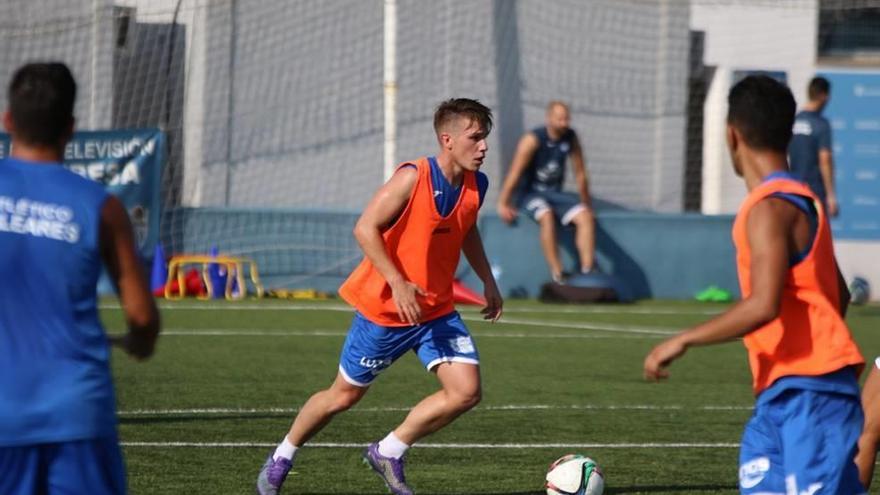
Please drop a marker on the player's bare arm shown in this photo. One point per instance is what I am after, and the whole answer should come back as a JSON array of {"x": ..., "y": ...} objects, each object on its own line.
[
  {"x": 769, "y": 228},
  {"x": 381, "y": 212},
  {"x": 826, "y": 169},
  {"x": 473, "y": 250},
  {"x": 581, "y": 178},
  {"x": 843, "y": 294},
  {"x": 870, "y": 438},
  {"x": 525, "y": 150},
  {"x": 127, "y": 274}
]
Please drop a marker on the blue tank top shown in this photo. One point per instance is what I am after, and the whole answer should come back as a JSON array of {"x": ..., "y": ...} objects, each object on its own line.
[
  {"x": 546, "y": 171},
  {"x": 445, "y": 194},
  {"x": 55, "y": 382}
]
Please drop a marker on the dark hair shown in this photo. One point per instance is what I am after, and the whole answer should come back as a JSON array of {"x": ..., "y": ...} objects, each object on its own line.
[
  {"x": 819, "y": 86},
  {"x": 41, "y": 98},
  {"x": 462, "y": 107},
  {"x": 762, "y": 109}
]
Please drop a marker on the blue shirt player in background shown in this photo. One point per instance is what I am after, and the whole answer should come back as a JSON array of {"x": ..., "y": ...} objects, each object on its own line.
[
  {"x": 57, "y": 403},
  {"x": 809, "y": 152},
  {"x": 539, "y": 163}
]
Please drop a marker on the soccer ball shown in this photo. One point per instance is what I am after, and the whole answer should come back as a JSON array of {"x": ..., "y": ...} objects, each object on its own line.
[
  {"x": 860, "y": 291},
  {"x": 575, "y": 475}
]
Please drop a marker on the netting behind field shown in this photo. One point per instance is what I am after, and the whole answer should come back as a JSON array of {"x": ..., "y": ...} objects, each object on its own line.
[
  {"x": 274, "y": 104},
  {"x": 275, "y": 107}
]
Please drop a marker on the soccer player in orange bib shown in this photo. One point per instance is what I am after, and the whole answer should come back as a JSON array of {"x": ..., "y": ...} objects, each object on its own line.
[
  {"x": 803, "y": 433},
  {"x": 412, "y": 233}
]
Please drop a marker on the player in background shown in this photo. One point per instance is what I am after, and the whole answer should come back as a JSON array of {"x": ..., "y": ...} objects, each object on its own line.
[
  {"x": 810, "y": 153},
  {"x": 540, "y": 158},
  {"x": 412, "y": 233},
  {"x": 867, "y": 455},
  {"x": 801, "y": 438},
  {"x": 57, "y": 404}
]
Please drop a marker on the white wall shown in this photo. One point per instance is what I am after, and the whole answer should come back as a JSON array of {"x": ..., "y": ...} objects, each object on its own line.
[{"x": 778, "y": 36}]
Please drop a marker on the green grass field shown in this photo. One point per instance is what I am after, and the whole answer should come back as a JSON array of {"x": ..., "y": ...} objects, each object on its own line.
[{"x": 222, "y": 389}]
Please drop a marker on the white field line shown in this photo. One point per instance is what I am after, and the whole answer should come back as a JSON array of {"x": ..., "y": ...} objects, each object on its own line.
[
  {"x": 605, "y": 327},
  {"x": 268, "y": 332},
  {"x": 345, "y": 445},
  {"x": 550, "y": 309},
  {"x": 504, "y": 407}
]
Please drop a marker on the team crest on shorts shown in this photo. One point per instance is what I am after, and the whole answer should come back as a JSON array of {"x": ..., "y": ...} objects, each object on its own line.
[
  {"x": 463, "y": 345},
  {"x": 753, "y": 472}
]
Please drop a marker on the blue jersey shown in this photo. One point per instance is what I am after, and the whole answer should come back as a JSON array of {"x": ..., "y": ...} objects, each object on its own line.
[
  {"x": 546, "y": 170},
  {"x": 811, "y": 133},
  {"x": 55, "y": 382},
  {"x": 445, "y": 195}
]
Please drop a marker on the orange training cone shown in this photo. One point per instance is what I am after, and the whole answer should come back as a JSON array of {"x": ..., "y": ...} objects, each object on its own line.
[{"x": 461, "y": 294}]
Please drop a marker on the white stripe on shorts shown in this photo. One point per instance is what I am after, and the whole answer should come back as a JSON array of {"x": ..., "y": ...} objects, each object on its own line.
[
  {"x": 540, "y": 205},
  {"x": 351, "y": 380},
  {"x": 451, "y": 359},
  {"x": 570, "y": 214}
]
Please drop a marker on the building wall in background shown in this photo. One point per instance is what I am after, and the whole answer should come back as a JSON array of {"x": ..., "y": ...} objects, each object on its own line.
[
  {"x": 304, "y": 122},
  {"x": 771, "y": 36},
  {"x": 79, "y": 33}
]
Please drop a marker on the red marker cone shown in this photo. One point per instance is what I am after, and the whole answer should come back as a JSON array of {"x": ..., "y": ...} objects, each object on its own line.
[{"x": 461, "y": 294}]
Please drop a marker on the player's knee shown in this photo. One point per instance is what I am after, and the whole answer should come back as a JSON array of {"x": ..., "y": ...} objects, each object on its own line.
[
  {"x": 547, "y": 222},
  {"x": 583, "y": 218},
  {"x": 344, "y": 400},
  {"x": 464, "y": 400}
]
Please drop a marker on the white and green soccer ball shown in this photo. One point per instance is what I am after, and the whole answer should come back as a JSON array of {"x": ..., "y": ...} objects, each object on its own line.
[{"x": 575, "y": 475}]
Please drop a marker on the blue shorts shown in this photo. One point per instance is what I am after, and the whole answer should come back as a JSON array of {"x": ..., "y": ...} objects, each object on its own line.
[
  {"x": 802, "y": 442},
  {"x": 93, "y": 467},
  {"x": 563, "y": 205},
  {"x": 370, "y": 349}
]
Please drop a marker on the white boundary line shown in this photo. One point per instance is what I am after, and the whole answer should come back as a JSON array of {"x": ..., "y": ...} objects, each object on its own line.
[
  {"x": 550, "y": 309},
  {"x": 345, "y": 445},
  {"x": 605, "y": 327},
  {"x": 504, "y": 407},
  {"x": 269, "y": 332}
]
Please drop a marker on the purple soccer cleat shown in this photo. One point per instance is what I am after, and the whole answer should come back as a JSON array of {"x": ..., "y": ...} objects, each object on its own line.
[
  {"x": 388, "y": 468},
  {"x": 272, "y": 476}
]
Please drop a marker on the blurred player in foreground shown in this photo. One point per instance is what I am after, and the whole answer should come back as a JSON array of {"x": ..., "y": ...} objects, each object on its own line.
[
  {"x": 412, "y": 233},
  {"x": 803, "y": 433},
  {"x": 57, "y": 404},
  {"x": 867, "y": 455}
]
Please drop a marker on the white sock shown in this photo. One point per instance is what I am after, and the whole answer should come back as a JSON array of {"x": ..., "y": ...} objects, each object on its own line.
[
  {"x": 286, "y": 450},
  {"x": 391, "y": 446}
]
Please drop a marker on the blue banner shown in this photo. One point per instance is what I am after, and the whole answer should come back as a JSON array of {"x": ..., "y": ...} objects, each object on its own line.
[
  {"x": 854, "y": 113},
  {"x": 129, "y": 164}
]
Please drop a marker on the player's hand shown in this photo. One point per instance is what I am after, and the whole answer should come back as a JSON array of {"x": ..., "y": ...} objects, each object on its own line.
[
  {"x": 494, "y": 302},
  {"x": 661, "y": 357},
  {"x": 506, "y": 213},
  {"x": 404, "y": 295},
  {"x": 833, "y": 207},
  {"x": 135, "y": 344}
]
